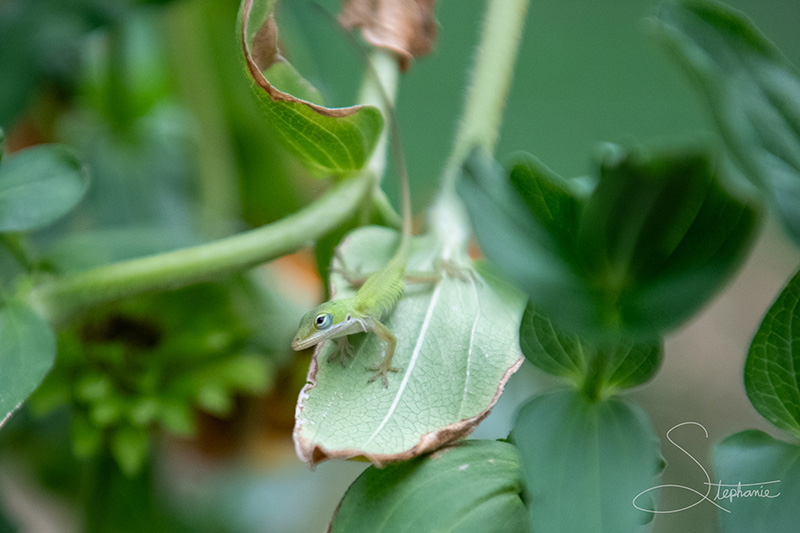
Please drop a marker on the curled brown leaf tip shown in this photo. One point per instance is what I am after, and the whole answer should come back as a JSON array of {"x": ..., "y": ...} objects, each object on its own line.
[
  {"x": 265, "y": 45},
  {"x": 407, "y": 27},
  {"x": 264, "y": 52}
]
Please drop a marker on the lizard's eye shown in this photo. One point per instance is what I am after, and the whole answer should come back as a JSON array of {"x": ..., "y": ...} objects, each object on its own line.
[{"x": 323, "y": 321}]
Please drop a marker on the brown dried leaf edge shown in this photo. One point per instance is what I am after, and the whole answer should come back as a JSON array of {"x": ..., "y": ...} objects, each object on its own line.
[{"x": 265, "y": 53}]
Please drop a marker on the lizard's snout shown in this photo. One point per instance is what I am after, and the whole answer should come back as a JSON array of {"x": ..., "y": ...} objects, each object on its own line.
[{"x": 297, "y": 344}]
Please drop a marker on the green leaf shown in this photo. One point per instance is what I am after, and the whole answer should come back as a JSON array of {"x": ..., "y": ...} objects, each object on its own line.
[
  {"x": 752, "y": 91},
  {"x": 555, "y": 202},
  {"x": 772, "y": 369},
  {"x": 607, "y": 366},
  {"x": 659, "y": 236},
  {"x": 516, "y": 239},
  {"x": 635, "y": 256},
  {"x": 472, "y": 487},
  {"x": 585, "y": 462},
  {"x": 753, "y": 459},
  {"x": 38, "y": 186},
  {"x": 27, "y": 351},
  {"x": 129, "y": 447},
  {"x": 456, "y": 343},
  {"x": 337, "y": 140}
]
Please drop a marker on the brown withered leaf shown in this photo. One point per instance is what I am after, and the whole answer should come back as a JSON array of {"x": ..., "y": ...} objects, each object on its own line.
[{"x": 407, "y": 27}]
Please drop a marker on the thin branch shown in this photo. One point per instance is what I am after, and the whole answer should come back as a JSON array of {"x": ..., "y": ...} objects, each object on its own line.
[{"x": 58, "y": 299}]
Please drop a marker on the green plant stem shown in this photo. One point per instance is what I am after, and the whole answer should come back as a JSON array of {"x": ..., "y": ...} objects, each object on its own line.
[
  {"x": 58, "y": 299},
  {"x": 480, "y": 123},
  {"x": 491, "y": 79},
  {"x": 595, "y": 375},
  {"x": 194, "y": 65}
]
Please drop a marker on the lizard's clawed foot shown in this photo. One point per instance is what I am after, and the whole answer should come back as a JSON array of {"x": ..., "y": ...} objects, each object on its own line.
[
  {"x": 353, "y": 277},
  {"x": 380, "y": 372},
  {"x": 457, "y": 271},
  {"x": 343, "y": 351}
]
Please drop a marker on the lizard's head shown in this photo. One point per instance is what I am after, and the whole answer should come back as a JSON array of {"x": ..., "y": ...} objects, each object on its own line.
[{"x": 326, "y": 321}]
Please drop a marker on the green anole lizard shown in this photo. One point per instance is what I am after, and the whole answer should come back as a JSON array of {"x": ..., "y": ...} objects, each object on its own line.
[{"x": 380, "y": 293}]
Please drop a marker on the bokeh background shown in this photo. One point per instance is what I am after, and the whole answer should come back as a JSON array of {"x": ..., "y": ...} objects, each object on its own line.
[{"x": 153, "y": 97}]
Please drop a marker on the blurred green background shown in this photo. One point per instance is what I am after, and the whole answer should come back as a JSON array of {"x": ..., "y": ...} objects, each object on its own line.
[{"x": 153, "y": 98}]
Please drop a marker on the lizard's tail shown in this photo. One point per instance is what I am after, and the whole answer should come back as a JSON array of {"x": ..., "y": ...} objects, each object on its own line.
[
  {"x": 395, "y": 143},
  {"x": 397, "y": 154},
  {"x": 402, "y": 171}
]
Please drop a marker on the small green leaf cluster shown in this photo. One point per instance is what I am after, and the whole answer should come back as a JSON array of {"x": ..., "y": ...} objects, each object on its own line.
[
  {"x": 147, "y": 364},
  {"x": 609, "y": 262}
]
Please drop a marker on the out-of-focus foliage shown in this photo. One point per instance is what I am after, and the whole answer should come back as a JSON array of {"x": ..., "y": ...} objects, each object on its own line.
[
  {"x": 169, "y": 137},
  {"x": 41, "y": 43},
  {"x": 39, "y": 186},
  {"x": 753, "y": 93},
  {"x": 636, "y": 254},
  {"x": 149, "y": 362},
  {"x": 754, "y": 455}
]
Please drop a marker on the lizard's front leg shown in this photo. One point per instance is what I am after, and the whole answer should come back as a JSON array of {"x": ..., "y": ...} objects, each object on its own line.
[
  {"x": 385, "y": 335},
  {"x": 354, "y": 278},
  {"x": 343, "y": 351}
]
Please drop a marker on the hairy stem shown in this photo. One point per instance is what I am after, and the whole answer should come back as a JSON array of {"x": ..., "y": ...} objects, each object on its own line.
[
  {"x": 59, "y": 298},
  {"x": 491, "y": 79},
  {"x": 480, "y": 123}
]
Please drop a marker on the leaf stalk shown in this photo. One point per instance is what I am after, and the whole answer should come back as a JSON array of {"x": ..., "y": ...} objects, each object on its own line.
[{"x": 59, "y": 298}]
